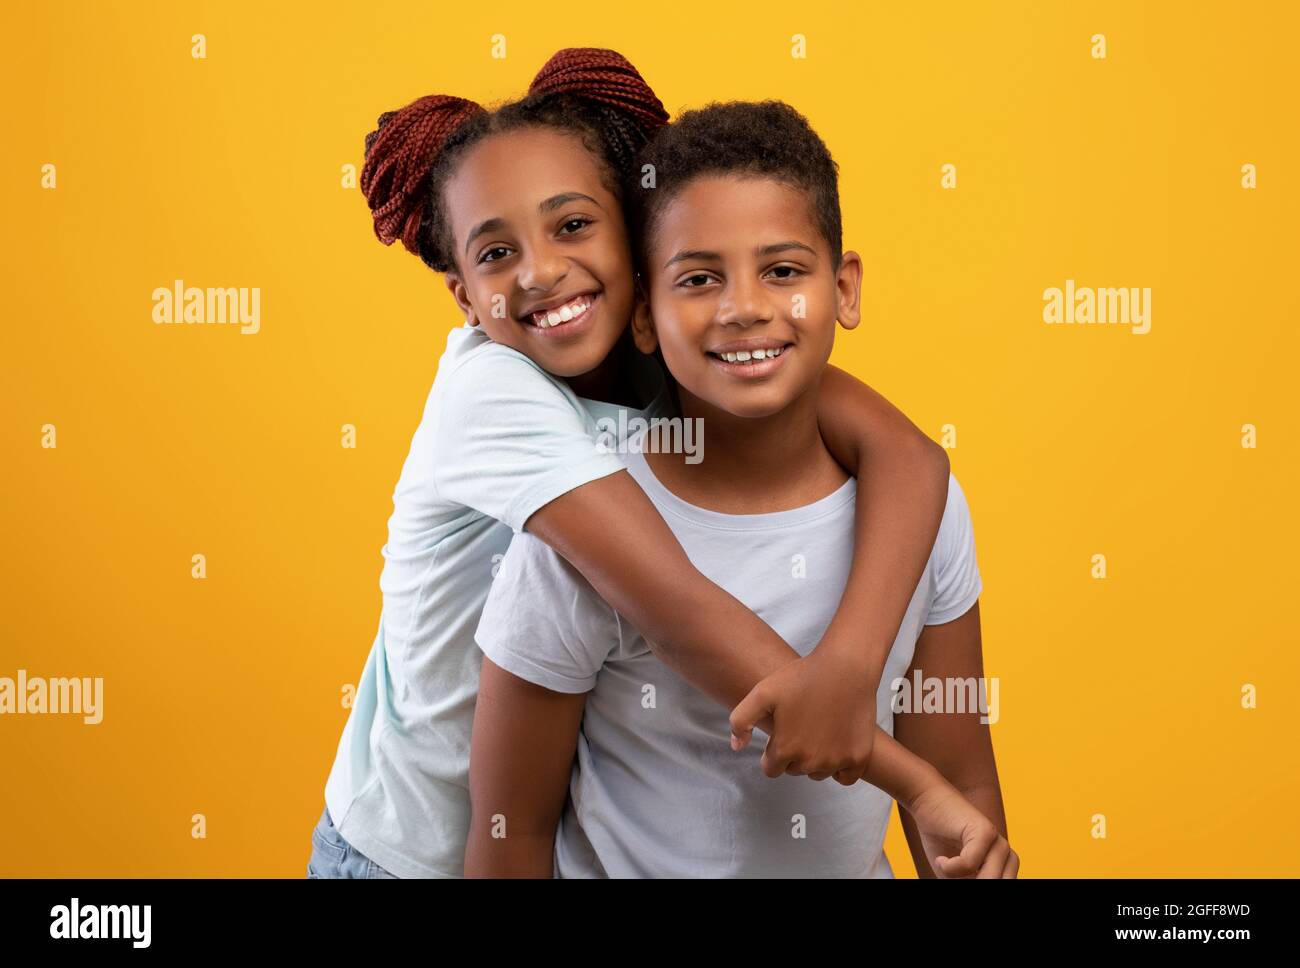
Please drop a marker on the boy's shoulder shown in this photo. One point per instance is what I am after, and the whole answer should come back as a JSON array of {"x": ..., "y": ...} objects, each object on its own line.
[{"x": 955, "y": 581}]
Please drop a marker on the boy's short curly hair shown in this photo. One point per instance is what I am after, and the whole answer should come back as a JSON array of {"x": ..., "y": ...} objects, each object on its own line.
[{"x": 764, "y": 138}]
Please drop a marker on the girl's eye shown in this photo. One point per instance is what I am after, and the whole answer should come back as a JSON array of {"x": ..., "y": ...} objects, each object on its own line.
[
  {"x": 574, "y": 225},
  {"x": 494, "y": 254}
]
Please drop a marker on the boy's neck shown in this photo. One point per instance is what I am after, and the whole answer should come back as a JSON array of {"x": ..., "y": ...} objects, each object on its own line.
[{"x": 753, "y": 465}]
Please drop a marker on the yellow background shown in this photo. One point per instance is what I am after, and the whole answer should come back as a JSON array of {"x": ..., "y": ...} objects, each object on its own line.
[{"x": 222, "y": 697}]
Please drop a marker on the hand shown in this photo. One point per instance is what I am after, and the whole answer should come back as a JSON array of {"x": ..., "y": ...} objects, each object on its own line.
[
  {"x": 822, "y": 710},
  {"x": 958, "y": 840}
]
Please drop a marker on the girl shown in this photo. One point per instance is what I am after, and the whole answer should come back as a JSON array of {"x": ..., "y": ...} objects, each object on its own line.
[{"x": 521, "y": 209}]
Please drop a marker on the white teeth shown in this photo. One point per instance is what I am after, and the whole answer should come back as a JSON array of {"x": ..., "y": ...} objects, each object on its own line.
[
  {"x": 751, "y": 356},
  {"x": 545, "y": 319}
]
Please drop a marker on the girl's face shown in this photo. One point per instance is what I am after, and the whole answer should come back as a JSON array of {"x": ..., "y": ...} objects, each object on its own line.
[{"x": 542, "y": 254}]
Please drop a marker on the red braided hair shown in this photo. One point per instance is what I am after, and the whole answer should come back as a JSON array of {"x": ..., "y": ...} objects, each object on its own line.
[
  {"x": 604, "y": 76},
  {"x": 399, "y": 154},
  {"x": 587, "y": 90}
]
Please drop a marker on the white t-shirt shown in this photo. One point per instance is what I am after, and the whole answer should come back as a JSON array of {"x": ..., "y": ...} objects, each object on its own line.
[
  {"x": 656, "y": 790},
  {"x": 499, "y": 439}
]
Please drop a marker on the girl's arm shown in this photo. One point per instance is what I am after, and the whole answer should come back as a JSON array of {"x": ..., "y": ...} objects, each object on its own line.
[
  {"x": 957, "y": 744},
  {"x": 510, "y": 444},
  {"x": 612, "y": 533},
  {"x": 902, "y": 489}
]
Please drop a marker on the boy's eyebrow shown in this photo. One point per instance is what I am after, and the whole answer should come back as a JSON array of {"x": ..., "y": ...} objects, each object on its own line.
[
  {"x": 564, "y": 198},
  {"x": 776, "y": 247},
  {"x": 705, "y": 256},
  {"x": 702, "y": 255}
]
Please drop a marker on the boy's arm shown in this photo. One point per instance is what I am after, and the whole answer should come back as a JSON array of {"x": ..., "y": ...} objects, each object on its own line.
[
  {"x": 957, "y": 745},
  {"x": 521, "y": 755},
  {"x": 902, "y": 489}
]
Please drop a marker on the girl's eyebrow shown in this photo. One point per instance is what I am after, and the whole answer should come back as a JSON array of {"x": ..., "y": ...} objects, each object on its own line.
[
  {"x": 564, "y": 198},
  {"x": 491, "y": 225},
  {"x": 549, "y": 205}
]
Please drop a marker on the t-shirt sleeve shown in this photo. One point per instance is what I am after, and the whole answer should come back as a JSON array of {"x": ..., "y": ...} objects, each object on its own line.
[
  {"x": 544, "y": 622},
  {"x": 509, "y": 440},
  {"x": 956, "y": 574}
]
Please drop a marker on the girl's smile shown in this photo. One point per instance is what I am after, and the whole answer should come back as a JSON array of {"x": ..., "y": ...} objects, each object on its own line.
[
  {"x": 567, "y": 318},
  {"x": 546, "y": 267}
]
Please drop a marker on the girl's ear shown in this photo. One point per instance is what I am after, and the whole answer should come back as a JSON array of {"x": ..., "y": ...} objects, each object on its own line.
[
  {"x": 459, "y": 293},
  {"x": 848, "y": 287},
  {"x": 643, "y": 323}
]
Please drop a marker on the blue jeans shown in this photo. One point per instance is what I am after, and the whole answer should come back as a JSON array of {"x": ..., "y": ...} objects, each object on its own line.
[{"x": 333, "y": 857}]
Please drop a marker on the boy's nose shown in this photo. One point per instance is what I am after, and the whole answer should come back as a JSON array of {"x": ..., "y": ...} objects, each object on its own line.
[{"x": 744, "y": 304}]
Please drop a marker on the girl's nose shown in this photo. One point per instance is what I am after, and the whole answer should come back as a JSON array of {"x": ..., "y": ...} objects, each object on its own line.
[{"x": 542, "y": 269}]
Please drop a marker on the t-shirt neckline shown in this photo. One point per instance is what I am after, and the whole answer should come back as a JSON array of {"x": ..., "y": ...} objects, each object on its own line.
[{"x": 846, "y": 493}]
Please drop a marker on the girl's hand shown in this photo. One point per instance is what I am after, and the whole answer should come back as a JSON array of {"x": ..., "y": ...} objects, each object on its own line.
[
  {"x": 820, "y": 715},
  {"x": 959, "y": 841}
]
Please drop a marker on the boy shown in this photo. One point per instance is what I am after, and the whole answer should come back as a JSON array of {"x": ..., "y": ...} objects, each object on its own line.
[{"x": 746, "y": 279}]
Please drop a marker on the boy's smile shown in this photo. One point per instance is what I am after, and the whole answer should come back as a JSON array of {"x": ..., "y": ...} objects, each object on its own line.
[{"x": 750, "y": 359}]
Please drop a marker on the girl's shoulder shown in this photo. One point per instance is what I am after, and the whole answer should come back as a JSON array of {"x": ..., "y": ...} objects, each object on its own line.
[{"x": 472, "y": 354}]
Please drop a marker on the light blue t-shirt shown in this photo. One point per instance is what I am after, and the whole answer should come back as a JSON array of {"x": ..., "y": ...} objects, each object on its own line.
[
  {"x": 656, "y": 790},
  {"x": 499, "y": 439}
]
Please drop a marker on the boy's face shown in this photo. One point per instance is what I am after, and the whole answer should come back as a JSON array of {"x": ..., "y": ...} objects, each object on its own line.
[
  {"x": 539, "y": 237},
  {"x": 737, "y": 265}
]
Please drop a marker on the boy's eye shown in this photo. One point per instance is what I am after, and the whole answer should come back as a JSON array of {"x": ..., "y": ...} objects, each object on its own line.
[
  {"x": 494, "y": 254},
  {"x": 575, "y": 224},
  {"x": 785, "y": 272},
  {"x": 695, "y": 281}
]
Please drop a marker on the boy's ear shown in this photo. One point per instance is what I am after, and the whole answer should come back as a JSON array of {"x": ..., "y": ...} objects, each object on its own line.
[
  {"x": 459, "y": 293},
  {"x": 643, "y": 323},
  {"x": 848, "y": 286}
]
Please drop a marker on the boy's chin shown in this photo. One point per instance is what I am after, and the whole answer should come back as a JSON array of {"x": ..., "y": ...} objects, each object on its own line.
[{"x": 752, "y": 404}]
